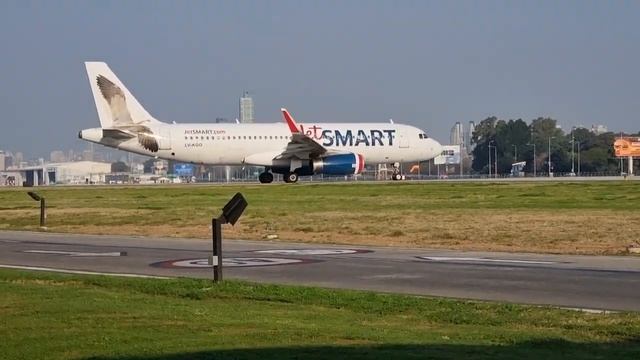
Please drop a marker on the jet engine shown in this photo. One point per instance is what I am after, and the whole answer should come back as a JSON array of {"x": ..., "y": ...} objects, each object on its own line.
[{"x": 338, "y": 164}]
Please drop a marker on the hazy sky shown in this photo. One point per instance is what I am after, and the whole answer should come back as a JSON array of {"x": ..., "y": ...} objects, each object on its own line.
[{"x": 426, "y": 63}]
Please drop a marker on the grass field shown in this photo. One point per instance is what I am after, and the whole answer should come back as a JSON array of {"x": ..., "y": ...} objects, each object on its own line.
[
  {"x": 581, "y": 217},
  {"x": 57, "y": 316}
]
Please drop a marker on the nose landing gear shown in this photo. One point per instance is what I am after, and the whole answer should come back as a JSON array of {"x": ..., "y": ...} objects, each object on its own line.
[
  {"x": 397, "y": 174},
  {"x": 291, "y": 177}
]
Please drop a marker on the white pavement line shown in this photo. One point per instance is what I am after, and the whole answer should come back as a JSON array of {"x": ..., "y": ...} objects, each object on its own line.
[
  {"x": 76, "y": 253},
  {"x": 474, "y": 259},
  {"x": 590, "y": 311},
  {"x": 307, "y": 251},
  {"x": 37, "y": 268}
]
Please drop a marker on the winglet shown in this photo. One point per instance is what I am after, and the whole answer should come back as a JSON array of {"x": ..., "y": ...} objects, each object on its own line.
[{"x": 290, "y": 121}]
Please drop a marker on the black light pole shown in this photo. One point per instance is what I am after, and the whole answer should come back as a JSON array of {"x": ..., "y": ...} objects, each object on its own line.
[
  {"x": 573, "y": 156},
  {"x": 534, "y": 159},
  {"x": 230, "y": 214},
  {"x": 495, "y": 151},
  {"x": 43, "y": 207},
  {"x": 578, "y": 158},
  {"x": 489, "y": 160}
]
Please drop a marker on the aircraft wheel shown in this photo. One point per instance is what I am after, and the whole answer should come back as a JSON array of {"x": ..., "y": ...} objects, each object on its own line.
[
  {"x": 291, "y": 178},
  {"x": 265, "y": 177}
]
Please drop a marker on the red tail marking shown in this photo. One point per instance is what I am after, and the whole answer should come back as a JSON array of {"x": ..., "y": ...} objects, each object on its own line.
[{"x": 290, "y": 121}]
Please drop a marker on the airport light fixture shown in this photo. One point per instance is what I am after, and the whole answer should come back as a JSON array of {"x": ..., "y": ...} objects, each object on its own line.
[
  {"x": 573, "y": 145},
  {"x": 495, "y": 151},
  {"x": 43, "y": 207},
  {"x": 534, "y": 159},
  {"x": 578, "y": 158},
  {"x": 549, "y": 162},
  {"x": 231, "y": 212},
  {"x": 490, "y": 159}
]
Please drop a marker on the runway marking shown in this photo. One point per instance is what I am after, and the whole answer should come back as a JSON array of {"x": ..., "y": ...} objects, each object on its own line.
[
  {"x": 81, "y": 272},
  {"x": 77, "y": 253},
  {"x": 392, "y": 277},
  {"x": 312, "y": 251},
  {"x": 475, "y": 259},
  {"x": 229, "y": 262}
]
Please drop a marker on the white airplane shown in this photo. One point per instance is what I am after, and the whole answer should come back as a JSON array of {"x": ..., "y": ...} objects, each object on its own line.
[{"x": 288, "y": 148}]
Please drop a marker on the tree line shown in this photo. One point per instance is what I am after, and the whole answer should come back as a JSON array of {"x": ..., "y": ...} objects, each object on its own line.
[{"x": 516, "y": 141}]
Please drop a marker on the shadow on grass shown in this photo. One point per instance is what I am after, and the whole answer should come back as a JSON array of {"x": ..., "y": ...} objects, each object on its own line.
[{"x": 547, "y": 349}]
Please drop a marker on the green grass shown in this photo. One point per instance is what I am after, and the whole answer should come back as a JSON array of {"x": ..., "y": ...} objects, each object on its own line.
[
  {"x": 560, "y": 217},
  {"x": 57, "y": 316},
  {"x": 314, "y": 198}
]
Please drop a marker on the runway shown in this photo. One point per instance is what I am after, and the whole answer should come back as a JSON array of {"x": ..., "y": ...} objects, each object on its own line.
[{"x": 586, "y": 282}]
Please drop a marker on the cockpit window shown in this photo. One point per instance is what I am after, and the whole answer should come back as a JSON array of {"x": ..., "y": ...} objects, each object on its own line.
[
  {"x": 420, "y": 135},
  {"x": 423, "y": 136}
]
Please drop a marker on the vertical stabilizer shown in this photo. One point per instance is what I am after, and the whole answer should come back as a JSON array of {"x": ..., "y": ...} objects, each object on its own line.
[{"x": 117, "y": 107}]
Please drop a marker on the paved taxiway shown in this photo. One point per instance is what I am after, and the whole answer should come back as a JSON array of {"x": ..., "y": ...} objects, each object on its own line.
[{"x": 593, "y": 282}]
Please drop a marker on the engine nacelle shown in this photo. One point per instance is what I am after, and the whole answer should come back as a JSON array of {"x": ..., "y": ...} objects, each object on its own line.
[{"x": 340, "y": 164}]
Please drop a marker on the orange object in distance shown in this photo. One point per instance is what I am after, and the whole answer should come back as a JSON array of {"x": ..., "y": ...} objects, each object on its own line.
[{"x": 627, "y": 147}]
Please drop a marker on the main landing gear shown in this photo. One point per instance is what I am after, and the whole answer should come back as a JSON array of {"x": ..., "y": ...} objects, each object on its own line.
[{"x": 265, "y": 177}]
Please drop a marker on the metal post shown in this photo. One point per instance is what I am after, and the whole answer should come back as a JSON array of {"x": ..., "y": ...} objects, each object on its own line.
[
  {"x": 578, "y": 158},
  {"x": 461, "y": 157},
  {"x": 573, "y": 145},
  {"x": 495, "y": 149},
  {"x": 43, "y": 212},
  {"x": 490, "y": 161},
  {"x": 216, "y": 230},
  {"x": 515, "y": 153},
  {"x": 549, "y": 162},
  {"x": 534, "y": 160}
]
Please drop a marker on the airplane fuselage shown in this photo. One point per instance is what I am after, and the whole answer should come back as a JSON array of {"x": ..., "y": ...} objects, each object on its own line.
[{"x": 238, "y": 144}]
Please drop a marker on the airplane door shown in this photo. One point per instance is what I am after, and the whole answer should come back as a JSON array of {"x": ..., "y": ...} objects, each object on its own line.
[
  {"x": 403, "y": 141},
  {"x": 164, "y": 142}
]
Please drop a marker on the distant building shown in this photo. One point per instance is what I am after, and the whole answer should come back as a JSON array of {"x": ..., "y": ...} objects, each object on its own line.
[
  {"x": 80, "y": 172},
  {"x": 469, "y": 135},
  {"x": 9, "y": 160},
  {"x": 246, "y": 109},
  {"x": 599, "y": 129},
  {"x": 3, "y": 157},
  {"x": 57, "y": 156},
  {"x": 457, "y": 134}
]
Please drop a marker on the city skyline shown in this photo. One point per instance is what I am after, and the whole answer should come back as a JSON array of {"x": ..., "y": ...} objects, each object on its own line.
[{"x": 427, "y": 64}]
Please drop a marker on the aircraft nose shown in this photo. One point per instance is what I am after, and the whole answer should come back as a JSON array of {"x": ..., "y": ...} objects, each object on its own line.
[{"x": 433, "y": 148}]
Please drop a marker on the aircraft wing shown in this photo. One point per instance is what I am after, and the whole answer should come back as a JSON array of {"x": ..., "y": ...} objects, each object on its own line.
[{"x": 302, "y": 147}]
